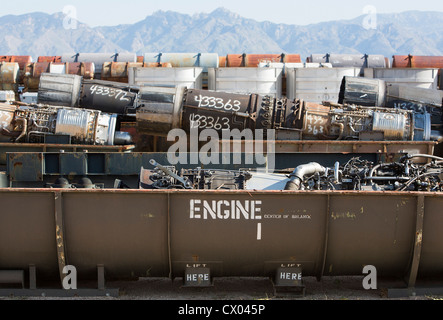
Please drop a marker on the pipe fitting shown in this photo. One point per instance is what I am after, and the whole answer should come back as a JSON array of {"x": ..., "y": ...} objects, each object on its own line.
[{"x": 300, "y": 172}]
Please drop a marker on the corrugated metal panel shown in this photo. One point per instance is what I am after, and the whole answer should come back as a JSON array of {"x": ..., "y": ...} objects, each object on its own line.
[
  {"x": 264, "y": 81},
  {"x": 317, "y": 84}
]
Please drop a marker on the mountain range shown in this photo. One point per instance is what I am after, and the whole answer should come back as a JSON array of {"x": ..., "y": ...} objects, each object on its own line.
[{"x": 223, "y": 32}]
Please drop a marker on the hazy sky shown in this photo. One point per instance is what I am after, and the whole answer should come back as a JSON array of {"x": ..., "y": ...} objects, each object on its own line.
[{"x": 110, "y": 12}]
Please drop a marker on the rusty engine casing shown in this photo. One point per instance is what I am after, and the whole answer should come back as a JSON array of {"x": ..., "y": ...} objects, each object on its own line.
[
  {"x": 300, "y": 120},
  {"x": 38, "y": 123}
]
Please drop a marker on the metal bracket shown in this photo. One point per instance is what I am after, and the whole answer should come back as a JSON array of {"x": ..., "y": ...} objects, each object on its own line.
[
  {"x": 289, "y": 280},
  {"x": 59, "y": 233},
  {"x": 411, "y": 290},
  {"x": 17, "y": 276},
  {"x": 199, "y": 276}
]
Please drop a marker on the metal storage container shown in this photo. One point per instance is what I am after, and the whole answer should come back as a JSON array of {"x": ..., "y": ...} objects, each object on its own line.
[
  {"x": 35, "y": 70},
  {"x": 411, "y": 61},
  {"x": 264, "y": 81},
  {"x": 421, "y": 78},
  {"x": 59, "y": 89},
  {"x": 49, "y": 59},
  {"x": 363, "y": 92},
  {"x": 317, "y": 84},
  {"x": 185, "y": 60},
  {"x": 235, "y": 60},
  {"x": 99, "y": 59},
  {"x": 253, "y": 60},
  {"x": 159, "y": 110},
  {"x": 118, "y": 71},
  {"x": 21, "y": 60},
  {"x": 418, "y": 100},
  {"x": 234, "y": 233},
  {"x": 9, "y": 76},
  {"x": 188, "y": 77},
  {"x": 222, "y": 62},
  {"x": 350, "y": 60},
  {"x": 107, "y": 97}
]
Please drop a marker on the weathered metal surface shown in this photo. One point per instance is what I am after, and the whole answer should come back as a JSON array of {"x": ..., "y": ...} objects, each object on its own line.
[
  {"x": 235, "y": 60},
  {"x": 158, "y": 65},
  {"x": 350, "y": 60},
  {"x": 84, "y": 69},
  {"x": 59, "y": 90},
  {"x": 106, "y": 98},
  {"x": 34, "y": 71},
  {"x": 291, "y": 58},
  {"x": 52, "y": 147},
  {"x": 411, "y": 61},
  {"x": 253, "y": 60},
  {"x": 421, "y": 78},
  {"x": 185, "y": 60},
  {"x": 7, "y": 113},
  {"x": 99, "y": 59},
  {"x": 417, "y": 99},
  {"x": 192, "y": 78},
  {"x": 92, "y": 127},
  {"x": 317, "y": 84},
  {"x": 229, "y": 111},
  {"x": 118, "y": 71},
  {"x": 9, "y": 76},
  {"x": 29, "y": 168},
  {"x": 390, "y": 150},
  {"x": 21, "y": 60},
  {"x": 49, "y": 59},
  {"x": 159, "y": 110},
  {"x": 46, "y": 124},
  {"x": 249, "y": 233},
  {"x": 363, "y": 92},
  {"x": 222, "y": 62},
  {"x": 265, "y": 81}
]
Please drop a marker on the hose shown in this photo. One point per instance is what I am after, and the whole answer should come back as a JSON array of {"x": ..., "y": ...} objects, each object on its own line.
[{"x": 300, "y": 172}]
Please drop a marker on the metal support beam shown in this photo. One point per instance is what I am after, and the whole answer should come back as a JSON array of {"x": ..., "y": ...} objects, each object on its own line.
[
  {"x": 101, "y": 277},
  {"x": 59, "y": 233},
  {"x": 32, "y": 277},
  {"x": 412, "y": 278}
]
